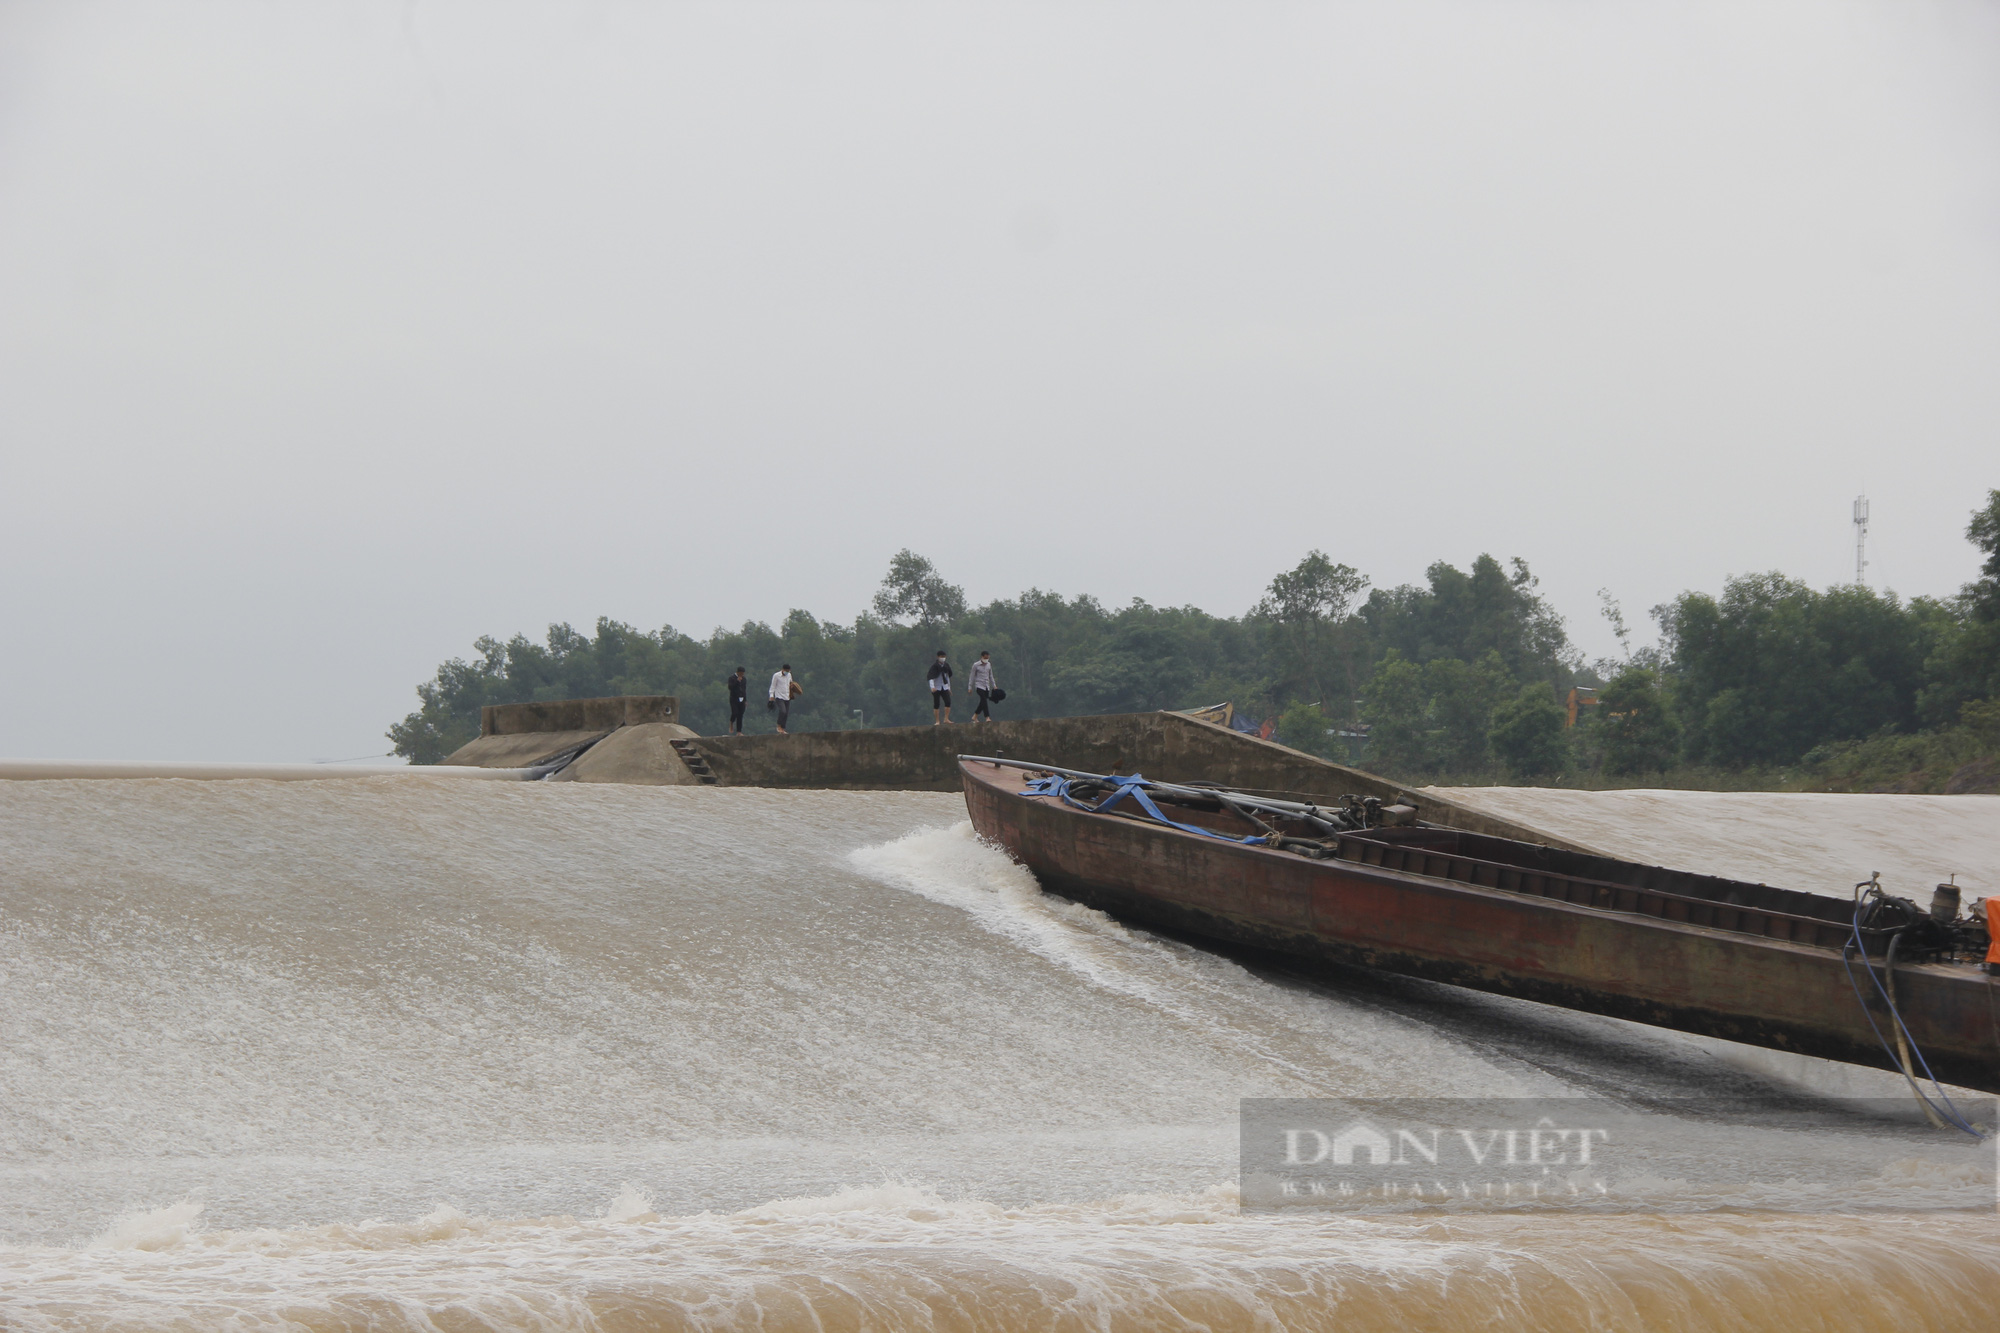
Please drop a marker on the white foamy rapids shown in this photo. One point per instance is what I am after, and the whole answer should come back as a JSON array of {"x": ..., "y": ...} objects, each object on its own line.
[
  {"x": 1310, "y": 1044},
  {"x": 685, "y": 1058},
  {"x": 900, "y": 1257}
]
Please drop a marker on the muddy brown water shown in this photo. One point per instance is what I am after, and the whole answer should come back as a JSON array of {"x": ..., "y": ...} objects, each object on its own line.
[{"x": 403, "y": 1054}]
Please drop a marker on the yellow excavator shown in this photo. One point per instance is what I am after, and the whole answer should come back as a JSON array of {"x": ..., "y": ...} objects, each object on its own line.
[{"x": 1580, "y": 696}]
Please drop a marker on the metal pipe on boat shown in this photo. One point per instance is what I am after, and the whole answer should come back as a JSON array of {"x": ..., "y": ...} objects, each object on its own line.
[{"x": 1205, "y": 793}]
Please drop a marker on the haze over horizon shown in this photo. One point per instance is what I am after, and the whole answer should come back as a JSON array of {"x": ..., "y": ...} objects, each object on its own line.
[{"x": 334, "y": 337}]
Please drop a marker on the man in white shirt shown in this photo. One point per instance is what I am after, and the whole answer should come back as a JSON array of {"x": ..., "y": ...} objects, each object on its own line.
[
  {"x": 781, "y": 696},
  {"x": 982, "y": 685}
]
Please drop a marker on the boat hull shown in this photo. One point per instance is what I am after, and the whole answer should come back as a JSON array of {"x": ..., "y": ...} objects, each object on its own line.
[{"x": 1718, "y": 983}]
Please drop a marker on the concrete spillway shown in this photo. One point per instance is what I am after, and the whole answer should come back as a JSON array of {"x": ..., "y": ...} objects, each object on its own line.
[
  {"x": 1822, "y": 842},
  {"x": 54, "y": 769},
  {"x": 421, "y": 1055}
]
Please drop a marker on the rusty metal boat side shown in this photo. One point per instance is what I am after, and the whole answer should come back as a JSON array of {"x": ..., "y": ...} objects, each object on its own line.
[{"x": 1770, "y": 977}]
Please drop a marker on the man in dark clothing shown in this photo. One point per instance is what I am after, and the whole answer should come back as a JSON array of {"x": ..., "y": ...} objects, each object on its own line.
[
  {"x": 739, "y": 692},
  {"x": 940, "y": 683}
]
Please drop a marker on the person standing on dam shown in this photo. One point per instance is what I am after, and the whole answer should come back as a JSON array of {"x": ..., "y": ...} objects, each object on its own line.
[
  {"x": 940, "y": 683},
  {"x": 739, "y": 698},
  {"x": 781, "y": 696},
  {"x": 982, "y": 685}
]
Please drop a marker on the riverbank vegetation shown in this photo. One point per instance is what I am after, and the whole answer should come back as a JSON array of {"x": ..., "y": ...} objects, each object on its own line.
[{"x": 1469, "y": 677}]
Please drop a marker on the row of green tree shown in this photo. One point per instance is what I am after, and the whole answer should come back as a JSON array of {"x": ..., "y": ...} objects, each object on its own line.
[
  {"x": 1468, "y": 673},
  {"x": 1774, "y": 673}
]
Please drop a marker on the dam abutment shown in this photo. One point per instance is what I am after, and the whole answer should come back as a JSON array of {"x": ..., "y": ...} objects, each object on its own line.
[{"x": 654, "y": 749}]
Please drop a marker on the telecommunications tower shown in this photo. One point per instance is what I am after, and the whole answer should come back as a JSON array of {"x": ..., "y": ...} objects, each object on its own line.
[{"x": 1861, "y": 539}]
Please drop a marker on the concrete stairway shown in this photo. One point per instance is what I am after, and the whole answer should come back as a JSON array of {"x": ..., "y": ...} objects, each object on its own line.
[{"x": 696, "y": 764}]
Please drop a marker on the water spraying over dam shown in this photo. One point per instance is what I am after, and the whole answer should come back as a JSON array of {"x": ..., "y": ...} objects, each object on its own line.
[{"x": 564, "y": 1056}]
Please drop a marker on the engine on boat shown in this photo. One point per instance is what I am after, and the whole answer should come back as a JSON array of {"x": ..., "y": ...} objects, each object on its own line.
[
  {"x": 1937, "y": 935},
  {"x": 1365, "y": 812}
]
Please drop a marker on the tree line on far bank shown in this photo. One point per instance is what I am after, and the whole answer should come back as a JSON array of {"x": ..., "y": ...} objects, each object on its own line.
[{"x": 1462, "y": 678}]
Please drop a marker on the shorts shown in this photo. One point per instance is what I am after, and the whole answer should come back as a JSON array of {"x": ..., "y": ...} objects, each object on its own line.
[{"x": 940, "y": 698}]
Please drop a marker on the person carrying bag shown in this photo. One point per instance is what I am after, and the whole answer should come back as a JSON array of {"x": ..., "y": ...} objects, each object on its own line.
[{"x": 983, "y": 686}]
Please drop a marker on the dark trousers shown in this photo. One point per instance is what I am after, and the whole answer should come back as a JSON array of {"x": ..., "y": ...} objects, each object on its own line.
[
  {"x": 736, "y": 715},
  {"x": 983, "y": 710},
  {"x": 784, "y": 712}
]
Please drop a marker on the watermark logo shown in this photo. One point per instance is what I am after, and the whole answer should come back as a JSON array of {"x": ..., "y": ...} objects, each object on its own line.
[{"x": 1513, "y": 1153}]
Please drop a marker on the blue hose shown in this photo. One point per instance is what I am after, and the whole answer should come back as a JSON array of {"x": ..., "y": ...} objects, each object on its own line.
[{"x": 1950, "y": 1113}]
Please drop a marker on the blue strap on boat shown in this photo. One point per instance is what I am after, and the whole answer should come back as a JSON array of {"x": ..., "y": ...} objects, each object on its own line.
[{"x": 1135, "y": 787}]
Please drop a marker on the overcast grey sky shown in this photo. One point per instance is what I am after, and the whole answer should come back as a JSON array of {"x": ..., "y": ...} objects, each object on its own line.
[{"x": 334, "y": 336}]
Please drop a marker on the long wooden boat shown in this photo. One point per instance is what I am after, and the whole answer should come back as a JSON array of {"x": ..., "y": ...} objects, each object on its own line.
[{"x": 1745, "y": 962}]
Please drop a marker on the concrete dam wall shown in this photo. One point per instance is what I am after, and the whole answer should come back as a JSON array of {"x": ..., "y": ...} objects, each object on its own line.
[{"x": 654, "y": 749}]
